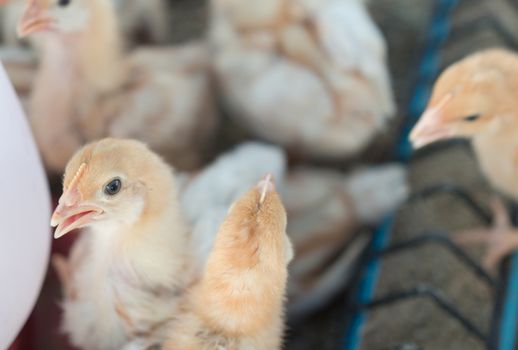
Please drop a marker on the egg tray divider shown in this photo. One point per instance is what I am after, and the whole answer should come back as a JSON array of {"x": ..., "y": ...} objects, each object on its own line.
[{"x": 504, "y": 318}]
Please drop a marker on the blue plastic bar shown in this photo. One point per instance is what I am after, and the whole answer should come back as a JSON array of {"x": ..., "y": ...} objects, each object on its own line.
[
  {"x": 428, "y": 69},
  {"x": 368, "y": 284},
  {"x": 509, "y": 318}
]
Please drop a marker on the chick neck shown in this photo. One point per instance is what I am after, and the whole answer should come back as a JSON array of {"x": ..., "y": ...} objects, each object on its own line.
[
  {"x": 495, "y": 151},
  {"x": 93, "y": 54}
]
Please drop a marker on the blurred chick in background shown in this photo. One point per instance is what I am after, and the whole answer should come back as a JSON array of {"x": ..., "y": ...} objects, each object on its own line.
[
  {"x": 325, "y": 209},
  {"x": 126, "y": 274},
  {"x": 238, "y": 303},
  {"x": 86, "y": 88},
  {"x": 310, "y": 75},
  {"x": 475, "y": 99},
  {"x": 137, "y": 19}
]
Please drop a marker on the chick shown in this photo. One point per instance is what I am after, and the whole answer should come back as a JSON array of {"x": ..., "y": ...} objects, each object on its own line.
[
  {"x": 310, "y": 75},
  {"x": 238, "y": 303},
  {"x": 207, "y": 194},
  {"x": 325, "y": 210},
  {"x": 86, "y": 88},
  {"x": 474, "y": 99},
  {"x": 136, "y": 17},
  {"x": 127, "y": 271}
]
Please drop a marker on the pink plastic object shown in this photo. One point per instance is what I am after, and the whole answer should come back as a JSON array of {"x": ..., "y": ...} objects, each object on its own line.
[{"x": 24, "y": 216}]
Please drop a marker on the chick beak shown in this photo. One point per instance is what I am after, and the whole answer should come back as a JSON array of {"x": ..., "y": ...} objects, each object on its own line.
[
  {"x": 34, "y": 19},
  {"x": 71, "y": 213},
  {"x": 430, "y": 128}
]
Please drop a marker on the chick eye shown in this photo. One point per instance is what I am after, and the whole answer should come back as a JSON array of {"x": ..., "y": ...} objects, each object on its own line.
[
  {"x": 472, "y": 118},
  {"x": 113, "y": 187},
  {"x": 63, "y": 3}
]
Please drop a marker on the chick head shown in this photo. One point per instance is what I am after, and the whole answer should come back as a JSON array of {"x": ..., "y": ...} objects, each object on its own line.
[
  {"x": 260, "y": 212},
  {"x": 470, "y": 98},
  {"x": 111, "y": 184},
  {"x": 67, "y": 16}
]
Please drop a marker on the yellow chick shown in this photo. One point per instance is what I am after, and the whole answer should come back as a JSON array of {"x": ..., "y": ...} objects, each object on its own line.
[
  {"x": 129, "y": 268},
  {"x": 86, "y": 88},
  {"x": 475, "y": 99},
  {"x": 238, "y": 303}
]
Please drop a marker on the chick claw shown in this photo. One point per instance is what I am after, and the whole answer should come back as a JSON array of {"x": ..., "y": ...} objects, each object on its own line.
[{"x": 501, "y": 239}]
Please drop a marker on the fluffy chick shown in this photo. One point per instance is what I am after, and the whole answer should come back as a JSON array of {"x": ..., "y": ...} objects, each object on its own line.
[
  {"x": 325, "y": 210},
  {"x": 209, "y": 193},
  {"x": 238, "y": 303},
  {"x": 86, "y": 88},
  {"x": 128, "y": 269},
  {"x": 310, "y": 75},
  {"x": 474, "y": 99}
]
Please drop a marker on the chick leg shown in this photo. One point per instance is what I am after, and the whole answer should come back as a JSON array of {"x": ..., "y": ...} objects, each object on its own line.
[{"x": 501, "y": 239}]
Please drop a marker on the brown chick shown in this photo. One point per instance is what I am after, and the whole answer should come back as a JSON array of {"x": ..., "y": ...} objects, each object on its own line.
[
  {"x": 86, "y": 88},
  {"x": 127, "y": 271},
  {"x": 475, "y": 99},
  {"x": 238, "y": 303}
]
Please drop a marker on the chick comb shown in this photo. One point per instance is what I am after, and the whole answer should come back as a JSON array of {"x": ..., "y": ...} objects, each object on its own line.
[
  {"x": 264, "y": 185},
  {"x": 78, "y": 175}
]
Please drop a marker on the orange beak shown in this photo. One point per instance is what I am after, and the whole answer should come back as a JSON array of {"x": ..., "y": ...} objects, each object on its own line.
[
  {"x": 34, "y": 19},
  {"x": 431, "y": 126},
  {"x": 71, "y": 213},
  {"x": 430, "y": 129}
]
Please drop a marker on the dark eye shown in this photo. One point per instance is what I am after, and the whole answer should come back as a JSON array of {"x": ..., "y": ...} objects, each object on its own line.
[
  {"x": 472, "y": 118},
  {"x": 113, "y": 187},
  {"x": 63, "y": 3}
]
